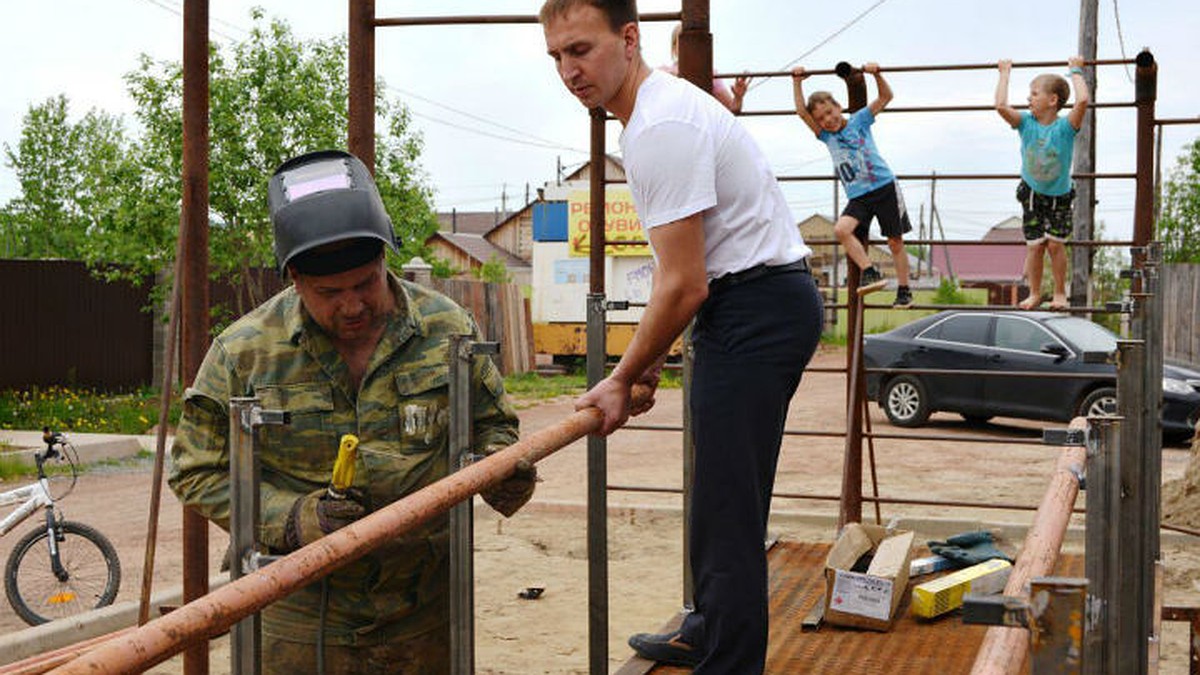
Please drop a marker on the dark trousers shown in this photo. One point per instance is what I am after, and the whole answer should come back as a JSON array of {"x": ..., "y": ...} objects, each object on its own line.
[{"x": 752, "y": 342}]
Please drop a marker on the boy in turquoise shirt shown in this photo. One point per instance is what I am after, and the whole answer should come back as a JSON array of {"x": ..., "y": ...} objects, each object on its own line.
[{"x": 1045, "y": 192}]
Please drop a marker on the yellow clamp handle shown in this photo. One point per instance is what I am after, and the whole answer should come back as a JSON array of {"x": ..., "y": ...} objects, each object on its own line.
[{"x": 343, "y": 466}]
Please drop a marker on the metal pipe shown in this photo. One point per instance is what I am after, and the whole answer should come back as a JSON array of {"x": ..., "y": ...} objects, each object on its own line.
[
  {"x": 966, "y": 107},
  {"x": 1177, "y": 120},
  {"x": 1145, "y": 92},
  {"x": 193, "y": 228},
  {"x": 476, "y": 19},
  {"x": 360, "y": 54},
  {"x": 214, "y": 613},
  {"x": 958, "y": 176},
  {"x": 1004, "y": 649},
  {"x": 936, "y": 67}
]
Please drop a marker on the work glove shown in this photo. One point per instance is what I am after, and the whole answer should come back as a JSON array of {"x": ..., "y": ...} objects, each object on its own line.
[
  {"x": 969, "y": 548},
  {"x": 513, "y": 492},
  {"x": 316, "y": 514}
]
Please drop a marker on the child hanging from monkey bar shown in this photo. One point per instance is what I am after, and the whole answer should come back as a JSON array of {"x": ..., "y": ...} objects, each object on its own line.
[
  {"x": 1045, "y": 191},
  {"x": 870, "y": 185}
]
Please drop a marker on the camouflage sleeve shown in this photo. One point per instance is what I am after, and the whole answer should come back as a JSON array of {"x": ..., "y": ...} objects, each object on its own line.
[
  {"x": 199, "y": 472},
  {"x": 495, "y": 421}
]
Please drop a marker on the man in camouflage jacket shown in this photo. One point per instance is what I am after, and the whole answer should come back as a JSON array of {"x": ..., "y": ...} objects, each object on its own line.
[{"x": 348, "y": 348}]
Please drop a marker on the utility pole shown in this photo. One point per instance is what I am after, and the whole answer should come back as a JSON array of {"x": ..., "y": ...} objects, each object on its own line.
[{"x": 1084, "y": 219}]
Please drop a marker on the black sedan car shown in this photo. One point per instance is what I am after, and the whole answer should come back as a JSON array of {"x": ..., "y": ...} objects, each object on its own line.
[{"x": 1003, "y": 341}]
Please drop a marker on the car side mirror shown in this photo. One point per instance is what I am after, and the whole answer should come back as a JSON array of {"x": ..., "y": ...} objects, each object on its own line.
[{"x": 1059, "y": 351}]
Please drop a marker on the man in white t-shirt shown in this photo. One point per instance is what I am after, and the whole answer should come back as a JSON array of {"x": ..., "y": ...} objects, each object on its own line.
[{"x": 729, "y": 255}]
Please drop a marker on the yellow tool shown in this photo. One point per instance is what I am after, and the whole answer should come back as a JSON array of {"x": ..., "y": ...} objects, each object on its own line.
[{"x": 343, "y": 467}]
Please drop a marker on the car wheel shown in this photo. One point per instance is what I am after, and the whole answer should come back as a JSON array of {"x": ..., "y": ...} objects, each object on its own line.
[
  {"x": 905, "y": 402},
  {"x": 976, "y": 420},
  {"x": 1100, "y": 402}
]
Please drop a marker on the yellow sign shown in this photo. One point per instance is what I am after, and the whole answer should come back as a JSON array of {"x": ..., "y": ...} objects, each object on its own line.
[{"x": 621, "y": 224}]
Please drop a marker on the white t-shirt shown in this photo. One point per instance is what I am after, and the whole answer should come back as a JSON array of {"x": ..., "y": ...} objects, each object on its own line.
[{"x": 674, "y": 126}]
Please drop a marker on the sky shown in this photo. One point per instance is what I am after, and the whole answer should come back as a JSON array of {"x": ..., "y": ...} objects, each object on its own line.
[{"x": 496, "y": 121}]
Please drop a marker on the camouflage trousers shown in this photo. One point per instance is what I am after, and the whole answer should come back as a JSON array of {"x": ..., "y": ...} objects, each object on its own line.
[{"x": 425, "y": 654}]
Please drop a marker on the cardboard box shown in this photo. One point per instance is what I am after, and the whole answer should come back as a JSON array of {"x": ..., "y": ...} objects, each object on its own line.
[
  {"x": 944, "y": 594},
  {"x": 867, "y": 599}
]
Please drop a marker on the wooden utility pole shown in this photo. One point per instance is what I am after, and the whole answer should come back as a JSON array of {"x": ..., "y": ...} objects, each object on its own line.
[{"x": 1084, "y": 219}]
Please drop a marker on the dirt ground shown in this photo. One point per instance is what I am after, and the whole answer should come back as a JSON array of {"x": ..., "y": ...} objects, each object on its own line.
[{"x": 545, "y": 545}]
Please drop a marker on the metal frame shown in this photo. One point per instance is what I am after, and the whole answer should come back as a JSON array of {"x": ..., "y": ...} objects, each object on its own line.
[{"x": 245, "y": 416}]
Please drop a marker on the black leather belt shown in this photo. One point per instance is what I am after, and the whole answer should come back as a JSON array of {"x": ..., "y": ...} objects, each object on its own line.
[{"x": 758, "y": 271}]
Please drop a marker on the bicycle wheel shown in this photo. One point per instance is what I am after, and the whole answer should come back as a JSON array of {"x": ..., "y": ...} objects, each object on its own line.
[{"x": 93, "y": 574}]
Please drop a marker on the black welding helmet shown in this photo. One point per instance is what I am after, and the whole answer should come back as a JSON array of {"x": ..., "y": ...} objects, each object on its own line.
[{"x": 324, "y": 197}]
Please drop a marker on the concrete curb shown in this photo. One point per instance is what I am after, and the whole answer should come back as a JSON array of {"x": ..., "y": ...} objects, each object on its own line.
[
  {"x": 91, "y": 447},
  {"x": 36, "y": 640}
]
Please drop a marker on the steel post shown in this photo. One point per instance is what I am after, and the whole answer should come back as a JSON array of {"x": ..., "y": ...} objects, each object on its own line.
[
  {"x": 360, "y": 55},
  {"x": 462, "y": 572},
  {"x": 1128, "y": 609},
  {"x": 689, "y": 468},
  {"x": 1148, "y": 325},
  {"x": 597, "y": 482},
  {"x": 193, "y": 229},
  {"x": 245, "y": 648},
  {"x": 1100, "y": 565}
]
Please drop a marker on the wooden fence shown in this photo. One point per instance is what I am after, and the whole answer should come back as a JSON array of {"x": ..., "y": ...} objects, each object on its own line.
[
  {"x": 61, "y": 326},
  {"x": 1181, "y": 315},
  {"x": 501, "y": 313}
]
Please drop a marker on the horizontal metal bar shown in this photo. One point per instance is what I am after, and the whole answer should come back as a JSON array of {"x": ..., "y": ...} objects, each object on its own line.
[
  {"x": 494, "y": 19},
  {"x": 965, "y": 107},
  {"x": 1177, "y": 120},
  {"x": 935, "y": 68},
  {"x": 961, "y": 176}
]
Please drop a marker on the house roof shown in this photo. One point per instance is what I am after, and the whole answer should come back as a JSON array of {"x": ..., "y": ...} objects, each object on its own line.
[
  {"x": 467, "y": 222},
  {"x": 479, "y": 249},
  {"x": 970, "y": 262}
]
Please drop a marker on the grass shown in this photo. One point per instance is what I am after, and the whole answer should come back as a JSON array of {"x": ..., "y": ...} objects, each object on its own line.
[{"x": 82, "y": 410}]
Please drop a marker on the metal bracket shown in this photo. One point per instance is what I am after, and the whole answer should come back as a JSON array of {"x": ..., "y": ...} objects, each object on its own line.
[
  {"x": 616, "y": 305},
  {"x": 1100, "y": 357},
  {"x": 1065, "y": 437},
  {"x": 254, "y": 416},
  {"x": 996, "y": 610},
  {"x": 1055, "y": 615}
]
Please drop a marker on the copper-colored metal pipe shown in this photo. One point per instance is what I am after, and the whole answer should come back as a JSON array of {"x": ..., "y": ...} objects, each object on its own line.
[
  {"x": 214, "y": 613},
  {"x": 1004, "y": 648},
  {"x": 46, "y": 661},
  {"x": 930, "y": 68}
]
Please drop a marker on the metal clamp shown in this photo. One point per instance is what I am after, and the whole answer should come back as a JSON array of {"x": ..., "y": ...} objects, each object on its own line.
[
  {"x": 616, "y": 305},
  {"x": 1065, "y": 437}
]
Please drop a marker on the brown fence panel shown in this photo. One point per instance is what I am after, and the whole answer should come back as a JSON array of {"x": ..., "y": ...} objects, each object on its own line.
[
  {"x": 502, "y": 315},
  {"x": 60, "y": 325},
  {"x": 1181, "y": 295}
]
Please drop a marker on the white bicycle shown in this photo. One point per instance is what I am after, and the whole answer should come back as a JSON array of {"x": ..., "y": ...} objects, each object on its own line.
[{"x": 63, "y": 567}]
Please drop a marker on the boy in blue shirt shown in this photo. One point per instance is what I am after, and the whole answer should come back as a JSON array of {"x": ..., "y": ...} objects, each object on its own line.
[
  {"x": 1045, "y": 192},
  {"x": 869, "y": 183}
]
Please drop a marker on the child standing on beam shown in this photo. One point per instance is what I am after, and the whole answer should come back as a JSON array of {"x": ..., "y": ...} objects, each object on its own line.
[
  {"x": 1045, "y": 192},
  {"x": 870, "y": 184}
]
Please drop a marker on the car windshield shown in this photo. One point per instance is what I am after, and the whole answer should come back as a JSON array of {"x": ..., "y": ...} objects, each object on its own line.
[{"x": 1088, "y": 336}]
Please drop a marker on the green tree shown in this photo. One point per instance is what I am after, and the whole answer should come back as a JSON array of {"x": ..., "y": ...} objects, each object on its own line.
[
  {"x": 493, "y": 271},
  {"x": 272, "y": 96},
  {"x": 61, "y": 167},
  {"x": 1179, "y": 223}
]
